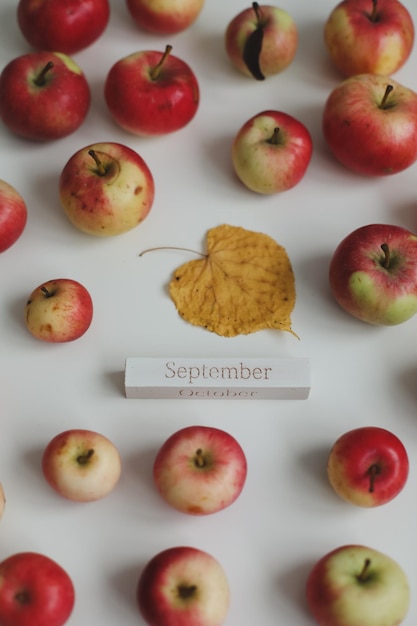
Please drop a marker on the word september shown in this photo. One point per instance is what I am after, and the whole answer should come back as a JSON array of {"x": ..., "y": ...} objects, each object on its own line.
[{"x": 194, "y": 373}]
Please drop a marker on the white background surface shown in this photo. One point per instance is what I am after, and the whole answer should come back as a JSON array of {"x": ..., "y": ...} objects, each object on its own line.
[{"x": 287, "y": 516}]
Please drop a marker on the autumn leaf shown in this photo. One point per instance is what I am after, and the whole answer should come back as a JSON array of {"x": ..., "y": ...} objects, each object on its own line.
[{"x": 243, "y": 284}]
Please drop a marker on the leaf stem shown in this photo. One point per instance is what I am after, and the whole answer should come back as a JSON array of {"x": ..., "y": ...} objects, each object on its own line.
[
  {"x": 155, "y": 72},
  {"x": 172, "y": 248}
]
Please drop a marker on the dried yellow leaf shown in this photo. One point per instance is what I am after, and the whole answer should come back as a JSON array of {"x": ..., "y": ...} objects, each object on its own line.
[{"x": 244, "y": 283}]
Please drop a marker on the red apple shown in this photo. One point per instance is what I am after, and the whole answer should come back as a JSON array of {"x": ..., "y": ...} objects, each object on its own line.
[
  {"x": 59, "y": 310},
  {"x": 43, "y": 96},
  {"x": 369, "y": 36},
  {"x": 183, "y": 586},
  {"x": 13, "y": 215},
  {"x": 106, "y": 189},
  {"x": 152, "y": 93},
  {"x": 370, "y": 125},
  {"x": 373, "y": 274},
  {"x": 261, "y": 41},
  {"x": 62, "y": 25},
  {"x": 165, "y": 17},
  {"x": 34, "y": 590},
  {"x": 368, "y": 466},
  {"x": 354, "y": 585},
  {"x": 271, "y": 152},
  {"x": 81, "y": 465},
  {"x": 200, "y": 470}
]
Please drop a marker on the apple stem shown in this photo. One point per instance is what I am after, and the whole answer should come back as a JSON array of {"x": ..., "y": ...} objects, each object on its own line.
[
  {"x": 40, "y": 79},
  {"x": 274, "y": 139},
  {"x": 172, "y": 248},
  {"x": 373, "y": 472},
  {"x": 387, "y": 255},
  {"x": 388, "y": 90},
  {"x": 257, "y": 9},
  {"x": 199, "y": 460},
  {"x": 155, "y": 72},
  {"x": 374, "y": 14},
  {"x": 46, "y": 292},
  {"x": 101, "y": 170},
  {"x": 362, "y": 575},
  {"x": 82, "y": 459}
]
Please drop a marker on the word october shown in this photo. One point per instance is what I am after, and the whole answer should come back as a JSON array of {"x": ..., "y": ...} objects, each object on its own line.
[
  {"x": 221, "y": 378},
  {"x": 194, "y": 373}
]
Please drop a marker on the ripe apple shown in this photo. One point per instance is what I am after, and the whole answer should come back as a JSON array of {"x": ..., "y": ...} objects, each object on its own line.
[
  {"x": 183, "y": 586},
  {"x": 59, "y": 310},
  {"x": 369, "y": 36},
  {"x": 271, "y": 152},
  {"x": 81, "y": 465},
  {"x": 261, "y": 41},
  {"x": 43, "y": 96},
  {"x": 368, "y": 466},
  {"x": 370, "y": 125},
  {"x": 34, "y": 589},
  {"x": 106, "y": 189},
  {"x": 13, "y": 215},
  {"x": 355, "y": 585},
  {"x": 373, "y": 274},
  {"x": 200, "y": 470},
  {"x": 68, "y": 26},
  {"x": 151, "y": 93},
  {"x": 165, "y": 17}
]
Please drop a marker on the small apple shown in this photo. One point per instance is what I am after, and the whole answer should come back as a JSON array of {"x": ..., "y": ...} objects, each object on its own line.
[
  {"x": 165, "y": 17},
  {"x": 369, "y": 36},
  {"x": 81, "y": 465},
  {"x": 106, "y": 189},
  {"x": 261, "y": 41},
  {"x": 59, "y": 310},
  {"x": 183, "y": 586},
  {"x": 151, "y": 93},
  {"x": 34, "y": 589},
  {"x": 68, "y": 26},
  {"x": 271, "y": 152},
  {"x": 368, "y": 466},
  {"x": 13, "y": 215},
  {"x": 370, "y": 125},
  {"x": 43, "y": 96},
  {"x": 373, "y": 274},
  {"x": 355, "y": 585},
  {"x": 200, "y": 470}
]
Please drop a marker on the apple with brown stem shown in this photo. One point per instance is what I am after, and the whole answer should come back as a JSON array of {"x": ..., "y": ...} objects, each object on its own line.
[{"x": 152, "y": 93}]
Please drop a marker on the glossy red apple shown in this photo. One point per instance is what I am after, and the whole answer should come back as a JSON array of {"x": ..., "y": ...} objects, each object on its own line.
[
  {"x": 43, "y": 96},
  {"x": 183, "y": 586},
  {"x": 271, "y": 152},
  {"x": 106, "y": 189},
  {"x": 369, "y": 36},
  {"x": 81, "y": 465},
  {"x": 373, "y": 274},
  {"x": 152, "y": 93},
  {"x": 200, "y": 470},
  {"x": 261, "y": 40},
  {"x": 370, "y": 125},
  {"x": 368, "y": 466},
  {"x": 13, "y": 215},
  {"x": 59, "y": 310},
  {"x": 62, "y": 25},
  {"x": 34, "y": 590},
  {"x": 165, "y": 17},
  {"x": 354, "y": 585}
]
